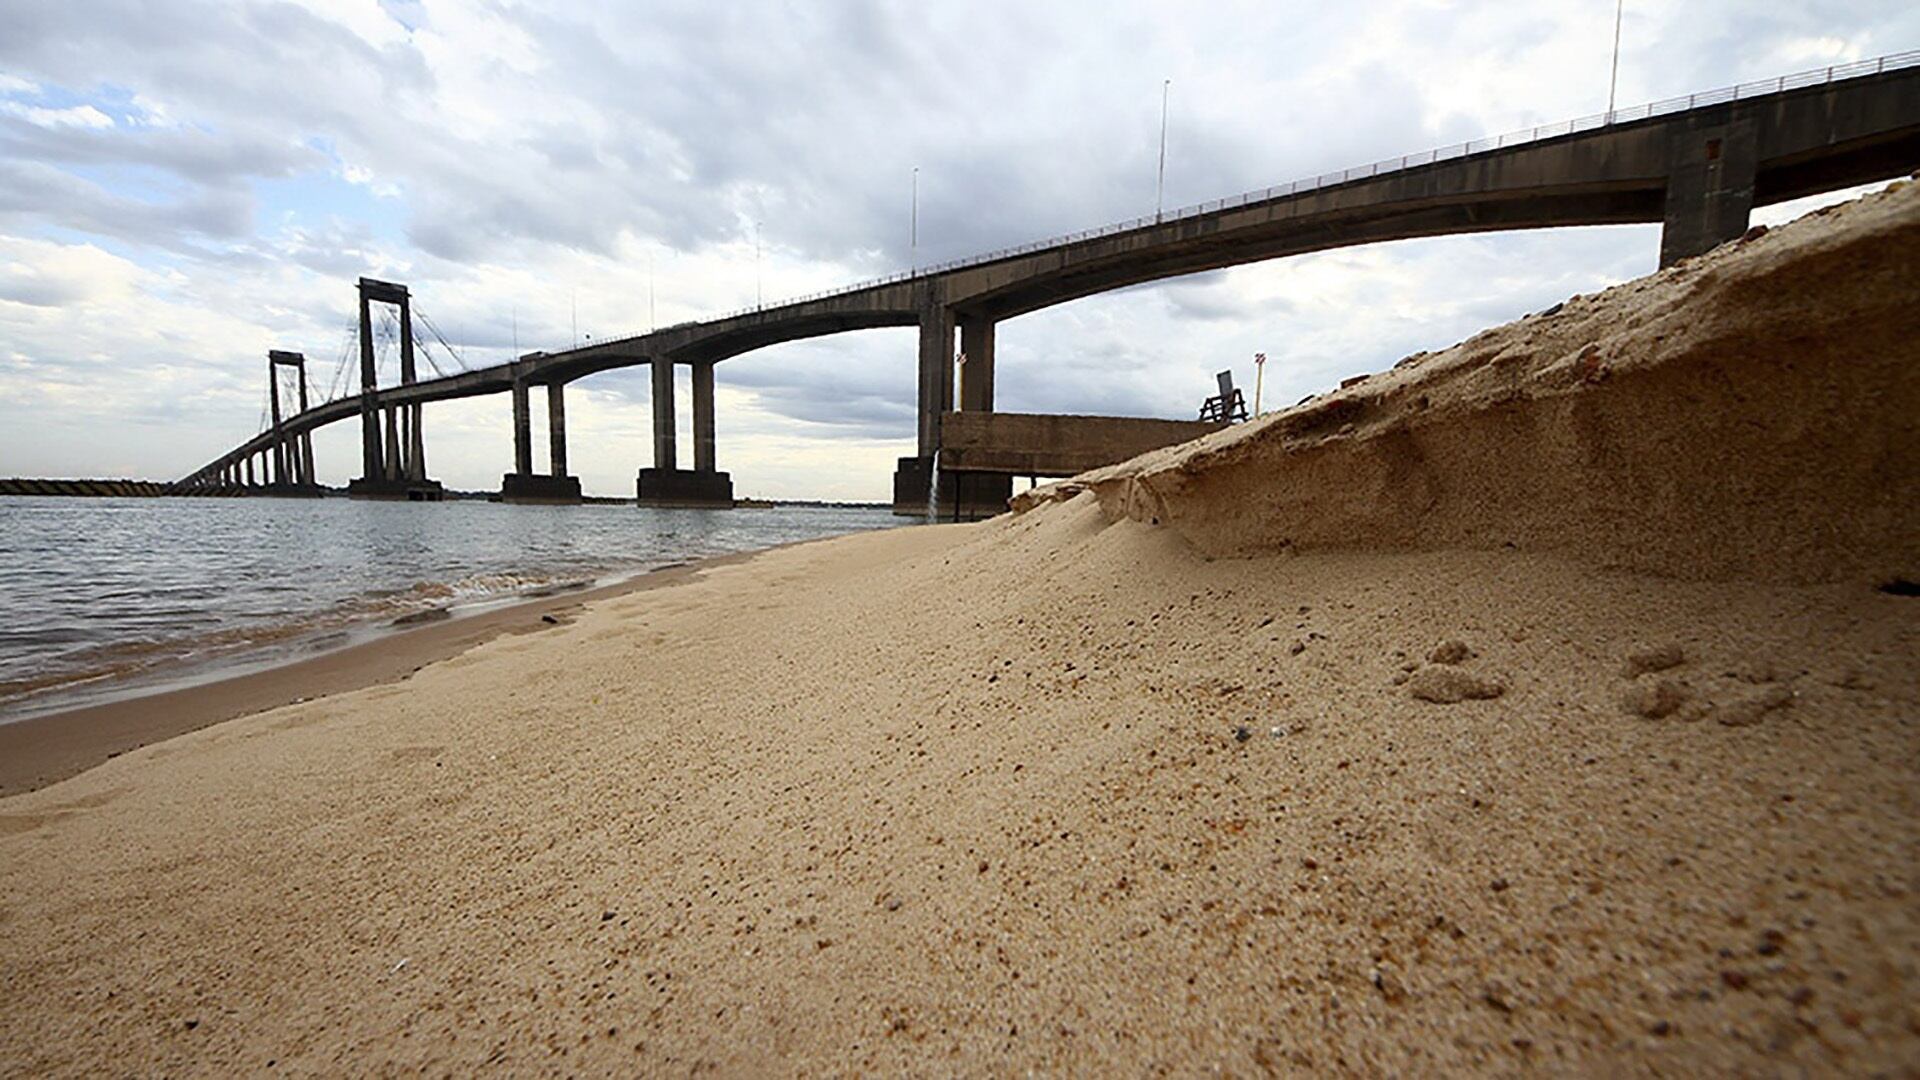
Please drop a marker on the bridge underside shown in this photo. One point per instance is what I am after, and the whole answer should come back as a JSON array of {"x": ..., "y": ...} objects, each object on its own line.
[
  {"x": 1696, "y": 168},
  {"x": 1701, "y": 193}
]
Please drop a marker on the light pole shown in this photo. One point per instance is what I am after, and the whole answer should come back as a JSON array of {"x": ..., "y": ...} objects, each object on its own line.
[
  {"x": 1160, "y": 185},
  {"x": 913, "y": 229},
  {"x": 1613, "y": 83},
  {"x": 759, "y": 298},
  {"x": 652, "y": 323}
]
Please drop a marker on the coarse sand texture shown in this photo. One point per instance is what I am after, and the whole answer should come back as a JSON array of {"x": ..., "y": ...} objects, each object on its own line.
[{"x": 1546, "y": 703}]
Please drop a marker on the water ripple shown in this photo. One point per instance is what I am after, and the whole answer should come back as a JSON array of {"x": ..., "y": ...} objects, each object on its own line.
[{"x": 104, "y": 589}]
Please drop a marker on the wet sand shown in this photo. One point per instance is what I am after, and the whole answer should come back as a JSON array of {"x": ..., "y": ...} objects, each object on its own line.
[{"x": 40, "y": 750}]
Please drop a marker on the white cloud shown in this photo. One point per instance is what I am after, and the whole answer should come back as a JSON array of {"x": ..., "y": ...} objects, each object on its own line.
[
  {"x": 364, "y": 177},
  {"x": 38, "y": 273},
  {"x": 540, "y": 155},
  {"x": 79, "y": 116},
  {"x": 150, "y": 113}
]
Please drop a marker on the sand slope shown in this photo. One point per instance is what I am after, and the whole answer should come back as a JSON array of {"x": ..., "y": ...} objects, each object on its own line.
[
  {"x": 1058, "y": 791},
  {"x": 1751, "y": 413}
]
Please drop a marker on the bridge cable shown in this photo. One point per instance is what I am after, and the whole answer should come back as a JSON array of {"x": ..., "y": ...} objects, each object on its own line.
[
  {"x": 459, "y": 360},
  {"x": 334, "y": 385},
  {"x": 427, "y": 355}
]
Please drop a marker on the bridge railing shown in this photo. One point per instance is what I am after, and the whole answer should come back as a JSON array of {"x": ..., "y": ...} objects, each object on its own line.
[{"x": 1630, "y": 114}]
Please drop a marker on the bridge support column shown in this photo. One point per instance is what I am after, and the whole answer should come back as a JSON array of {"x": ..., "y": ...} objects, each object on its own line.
[
  {"x": 391, "y": 460},
  {"x": 372, "y": 467},
  {"x": 665, "y": 484},
  {"x": 664, "y": 451},
  {"x": 289, "y": 460},
  {"x": 522, "y": 430},
  {"x": 1709, "y": 188},
  {"x": 920, "y": 487},
  {"x": 936, "y": 372},
  {"x": 306, "y": 437},
  {"x": 976, "y": 365},
  {"x": 394, "y": 462},
  {"x": 279, "y": 435},
  {"x": 703, "y": 417},
  {"x": 703, "y": 485},
  {"x": 556, "y": 429},
  {"x": 413, "y": 444},
  {"x": 523, "y": 485}
]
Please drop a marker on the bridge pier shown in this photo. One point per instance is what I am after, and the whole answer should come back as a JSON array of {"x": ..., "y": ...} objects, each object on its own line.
[
  {"x": 976, "y": 363},
  {"x": 936, "y": 370},
  {"x": 666, "y": 484},
  {"x": 962, "y": 496},
  {"x": 703, "y": 418},
  {"x": 1712, "y": 168},
  {"x": 951, "y": 496},
  {"x": 393, "y": 456},
  {"x": 523, "y": 485},
  {"x": 288, "y": 462},
  {"x": 664, "y": 430},
  {"x": 303, "y": 449},
  {"x": 556, "y": 429}
]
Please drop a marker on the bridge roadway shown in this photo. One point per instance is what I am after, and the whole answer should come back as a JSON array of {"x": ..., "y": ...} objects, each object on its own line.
[{"x": 1696, "y": 165}]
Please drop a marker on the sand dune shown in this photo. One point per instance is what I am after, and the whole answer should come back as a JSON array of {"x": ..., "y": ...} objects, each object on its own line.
[
  {"x": 1751, "y": 413},
  {"x": 1561, "y": 721}
]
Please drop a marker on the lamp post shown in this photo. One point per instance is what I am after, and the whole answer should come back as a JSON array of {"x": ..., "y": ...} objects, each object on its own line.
[
  {"x": 1613, "y": 82},
  {"x": 759, "y": 297},
  {"x": 1160, "y": 185},
  {"x": 913, "y": 229}
]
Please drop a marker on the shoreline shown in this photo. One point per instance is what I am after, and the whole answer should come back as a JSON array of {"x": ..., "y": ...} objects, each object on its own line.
[
  {"x": 44, "y": 749},
  {"x": 1508, "y": 713}
]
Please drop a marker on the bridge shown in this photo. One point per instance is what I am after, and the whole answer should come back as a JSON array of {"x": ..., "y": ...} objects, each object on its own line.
[{"x": 1697, "y": 165}]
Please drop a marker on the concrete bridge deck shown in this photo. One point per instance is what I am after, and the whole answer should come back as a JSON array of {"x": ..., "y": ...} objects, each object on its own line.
[{"x": 1696, "y": 165}]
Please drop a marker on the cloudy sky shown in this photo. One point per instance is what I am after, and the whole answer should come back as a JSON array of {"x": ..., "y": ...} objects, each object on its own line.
[{"x": 184, "y": 186}]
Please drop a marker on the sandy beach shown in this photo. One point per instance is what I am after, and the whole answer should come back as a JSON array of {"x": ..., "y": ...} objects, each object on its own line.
[
  {"x": 40, "y": 750},
  {"x": 1547, "y": 703}
]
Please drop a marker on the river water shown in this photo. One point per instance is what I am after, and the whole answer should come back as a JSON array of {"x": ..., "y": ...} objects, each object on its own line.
[{"x": 101, "y": 598}]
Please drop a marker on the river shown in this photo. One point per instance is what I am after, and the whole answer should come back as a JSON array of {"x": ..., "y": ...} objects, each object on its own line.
[{"x": 104, "y": 598}]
